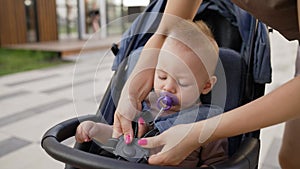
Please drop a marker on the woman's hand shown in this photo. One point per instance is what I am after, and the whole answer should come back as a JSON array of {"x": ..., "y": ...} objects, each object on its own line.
[
  {"x": 127, "y": 109},
  {"x": 136, "y": 89},
  {"x": 177, "y": 143},
  {"x": 126, "y": 127}
]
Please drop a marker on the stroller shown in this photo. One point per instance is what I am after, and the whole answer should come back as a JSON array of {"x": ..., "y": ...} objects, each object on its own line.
[{"x": 244, "y": 67}]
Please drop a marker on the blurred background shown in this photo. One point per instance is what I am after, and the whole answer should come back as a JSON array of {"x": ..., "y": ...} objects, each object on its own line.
[{"x": 46, "y": 20}]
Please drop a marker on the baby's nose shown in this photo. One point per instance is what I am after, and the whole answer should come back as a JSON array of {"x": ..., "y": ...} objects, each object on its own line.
[{"x": 170, "y": 86}]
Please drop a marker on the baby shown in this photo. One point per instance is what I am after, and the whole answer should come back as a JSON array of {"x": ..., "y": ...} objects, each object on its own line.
[{"x": 181, "y": 74}]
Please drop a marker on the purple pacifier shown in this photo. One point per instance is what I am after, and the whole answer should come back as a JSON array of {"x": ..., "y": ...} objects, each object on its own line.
[{"x": 166, "y": 101}]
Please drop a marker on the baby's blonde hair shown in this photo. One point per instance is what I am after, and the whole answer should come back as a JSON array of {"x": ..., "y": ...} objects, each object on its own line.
[
  {"x": 198, "y": 38},
  {"x": 207, "y": 31}
]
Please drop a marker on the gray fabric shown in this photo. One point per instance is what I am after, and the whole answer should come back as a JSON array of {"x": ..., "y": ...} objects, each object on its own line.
[
  {"x": 262, "y": 71},
  {"x": 132, "y": 60}
]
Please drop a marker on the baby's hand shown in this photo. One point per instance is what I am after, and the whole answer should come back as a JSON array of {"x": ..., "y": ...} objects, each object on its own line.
[{"x": 83, "y": 131}]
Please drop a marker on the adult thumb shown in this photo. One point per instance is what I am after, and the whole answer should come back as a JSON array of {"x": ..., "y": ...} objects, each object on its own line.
[{"x": 151, "y": 142}]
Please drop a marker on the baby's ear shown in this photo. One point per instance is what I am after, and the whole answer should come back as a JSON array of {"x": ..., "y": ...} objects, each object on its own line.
[{"x": 209, "y": 85}]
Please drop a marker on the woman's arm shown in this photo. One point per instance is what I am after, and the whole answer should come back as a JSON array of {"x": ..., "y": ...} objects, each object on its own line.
[
  {"x": 136, "y": 88},
  {"x": 140, "y": 81},
  {"x": 278, "y": 106}
]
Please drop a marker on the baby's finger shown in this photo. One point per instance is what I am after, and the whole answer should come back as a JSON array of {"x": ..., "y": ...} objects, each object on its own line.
[
  {"x": 78, "y": 135},
  {"x": 82, "y": 136},
  {"x": 86, "y": 137}
]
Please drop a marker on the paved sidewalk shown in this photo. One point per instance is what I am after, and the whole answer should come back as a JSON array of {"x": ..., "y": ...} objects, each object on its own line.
[{"x": 32, "y": 102}]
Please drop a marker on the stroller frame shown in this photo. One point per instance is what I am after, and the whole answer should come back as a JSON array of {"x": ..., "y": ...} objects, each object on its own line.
[{"x": 85, "y": 155}]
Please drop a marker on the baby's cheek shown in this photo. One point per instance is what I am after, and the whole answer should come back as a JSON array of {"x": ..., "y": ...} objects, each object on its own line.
[
  {"x": 189, "y": 97},
  {"x": 155, "y": 85}
]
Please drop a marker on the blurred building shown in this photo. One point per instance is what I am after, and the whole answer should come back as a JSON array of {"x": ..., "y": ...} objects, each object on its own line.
[{"x": 26, "y": 21}]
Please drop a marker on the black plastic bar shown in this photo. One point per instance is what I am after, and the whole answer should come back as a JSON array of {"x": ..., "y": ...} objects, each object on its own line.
[
  {"x": 245, "y": 158},
  {"x": 77, "y": 158}
]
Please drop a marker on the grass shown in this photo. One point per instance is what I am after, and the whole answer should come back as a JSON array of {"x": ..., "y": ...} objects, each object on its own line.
[{"x": 13, "y": 61}]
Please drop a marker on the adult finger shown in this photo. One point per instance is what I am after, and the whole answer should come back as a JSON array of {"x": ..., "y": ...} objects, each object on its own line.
[
  {"x": 117, "y": 130},
  {"x": 160, "y": 158},
  {"x": 151, "y": 142},
  {"x": 127, "y": 130},
  {"x": 142, "y": 128},
  {"x": 121, "y": 126},
  {"x": 166, "y": 156}
]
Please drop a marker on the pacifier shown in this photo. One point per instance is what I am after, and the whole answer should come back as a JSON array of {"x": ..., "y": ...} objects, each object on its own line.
[{"x": 166, "y": 101}]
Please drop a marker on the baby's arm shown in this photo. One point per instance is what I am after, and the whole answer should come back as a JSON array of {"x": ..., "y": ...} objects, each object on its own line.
[{"x": 88, "y": 130}]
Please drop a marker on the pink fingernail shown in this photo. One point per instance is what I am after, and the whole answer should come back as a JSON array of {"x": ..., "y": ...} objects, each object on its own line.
[
  {"x": 127, "y": 139},
  {"x": 141, "y": 121},
  {"x": 142, "y": 142}
]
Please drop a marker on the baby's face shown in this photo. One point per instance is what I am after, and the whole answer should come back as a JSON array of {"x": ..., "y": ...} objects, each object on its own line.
[{"x": 180, "y": 72}]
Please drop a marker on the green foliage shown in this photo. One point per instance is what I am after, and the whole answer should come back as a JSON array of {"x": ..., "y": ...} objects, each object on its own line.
[{"x": 13, "y": 61}]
